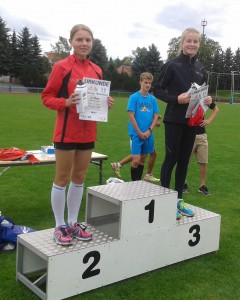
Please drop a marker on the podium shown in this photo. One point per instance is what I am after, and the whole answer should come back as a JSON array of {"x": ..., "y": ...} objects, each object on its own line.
[{"x": 134, "y": 231}]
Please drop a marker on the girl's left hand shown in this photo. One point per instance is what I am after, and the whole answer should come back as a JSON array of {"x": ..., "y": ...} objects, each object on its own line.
[
  {"x": 110, "y": 102},
  {"x": 208, "y": 100}
]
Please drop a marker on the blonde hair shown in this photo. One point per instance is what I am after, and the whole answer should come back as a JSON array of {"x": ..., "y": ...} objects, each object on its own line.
[
  {"x": 146, "y": 75},
  {"x": 80, "y": 27},
  {"x": 183, "y": 36}
]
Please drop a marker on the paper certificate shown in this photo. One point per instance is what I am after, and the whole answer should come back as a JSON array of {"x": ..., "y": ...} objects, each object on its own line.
[
  {"x": 97, "y": 93},
  {"x": 198, "y": 94}
]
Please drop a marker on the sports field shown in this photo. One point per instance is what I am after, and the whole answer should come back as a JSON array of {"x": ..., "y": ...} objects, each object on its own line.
[{"x": 25, "y": 198}]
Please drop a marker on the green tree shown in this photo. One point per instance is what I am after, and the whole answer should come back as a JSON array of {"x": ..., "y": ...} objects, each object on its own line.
[
  {"x": 146, "y": 60},
  {"x": 62, "y": 47},
  {"x": 218, "y": 61},
  {"x": 173, "y": 47},
  {"x": 228, "y": 61},
  {"x": 228, "y": 68},
  {"x": 214, "y": 77},
  {"x": 30, "y": 75},
  {"x": 36, "y": 57},
  {"x": 24, "y": 46},
  {"x": 99, "y": 55},
  {"x": 139, "y": 61},
  {"x": 111, "y": 74},
  {"x": 118, "y": 62},
  {"x": 4, "y": 48},
  {"x": 154, "y": 61},
  {"x": 14, "y": 54},
  {"x": 236, "y": 60},
  {"x": 29, "y": 64},
  {"x": 207, "y": 52}
]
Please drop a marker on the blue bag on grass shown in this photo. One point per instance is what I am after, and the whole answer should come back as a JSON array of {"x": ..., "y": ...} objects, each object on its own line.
[{"x": 9, "y": 232}]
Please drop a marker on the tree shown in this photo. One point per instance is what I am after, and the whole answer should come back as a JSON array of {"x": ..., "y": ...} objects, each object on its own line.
[
  {"x": 154, "y": 62},
  {"x": 29, "y": 63},
  {"x": 228, "y": 61},
  {"x": 4, "y": 48},
  {"x": 99, "y": 55},
  {"x": 218, "y": 61},
  {"x": 173, "y": 47},
  {"x": 111, "y": 74},
  {"x": 207, "y": 52},
  {"x": 36, "y": 57},
  {"x": 14, "y": 53},
  {"x": 139, "y": 61},
  {"x": 228, "y": 67},
  {"x": 24, "y": 46},
  {"x": 214, "y": 77},
  {"x": 30, "y": 75},
  {"x": 118, "y": 62},
  {"x": 62, "y": 48},
  {"x": 146, "y": 60},
  {"x": 236, "y": 61}
]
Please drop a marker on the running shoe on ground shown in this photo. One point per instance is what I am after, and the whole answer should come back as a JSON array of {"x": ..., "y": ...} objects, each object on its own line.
[
  {"x": 151, "y": 178},
  {"x": 185, "y": 188},
  {"x": 204, "y": 190},
  {"x": 62, "y": 237},
  {"x": 79, "y": 232},
  {"x": 178, "y": 215},
  {"x": 184, "y": 209},
  {"x": 116, "y": 169}
]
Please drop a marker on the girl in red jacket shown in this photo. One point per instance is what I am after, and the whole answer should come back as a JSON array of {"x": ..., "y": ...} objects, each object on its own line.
[{"x": 73, "y": 138}]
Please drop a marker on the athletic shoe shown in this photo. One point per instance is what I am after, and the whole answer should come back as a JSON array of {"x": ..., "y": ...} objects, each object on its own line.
[
  {"x": 178, "y": 215},
  {"x": 184, "y": 209},
  {"x": 79, "y": 232},
  {"x": 151, "y": 178},
  {"x": 61, "y": 236},
  {"x": 7, "y": 246},
  {"x": 185, "y": 188},
  {"x": 116, "y": 169},
  {"x": 204, "y": 190}
]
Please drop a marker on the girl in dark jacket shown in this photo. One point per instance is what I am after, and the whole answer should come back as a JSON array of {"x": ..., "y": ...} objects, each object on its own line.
[{"x": 175, "y": 79}]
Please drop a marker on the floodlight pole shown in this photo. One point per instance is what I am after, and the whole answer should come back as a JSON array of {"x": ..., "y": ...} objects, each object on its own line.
[
  {"x": 232, "y": 88},
  {"x": 204, "y": 24}
]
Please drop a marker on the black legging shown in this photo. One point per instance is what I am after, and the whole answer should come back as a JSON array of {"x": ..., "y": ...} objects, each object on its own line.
[{"x": 179, "y": 140}]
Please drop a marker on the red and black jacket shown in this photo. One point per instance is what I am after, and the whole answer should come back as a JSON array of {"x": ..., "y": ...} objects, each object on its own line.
[{"x": 61, "y": 84}]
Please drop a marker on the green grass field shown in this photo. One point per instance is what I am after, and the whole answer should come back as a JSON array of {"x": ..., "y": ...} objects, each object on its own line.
[{"x": 25, "y": 197}]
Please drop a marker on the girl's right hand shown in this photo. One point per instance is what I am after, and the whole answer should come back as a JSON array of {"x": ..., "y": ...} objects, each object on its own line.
[
  {"x": 73, "y": 100},
  {"x": 184, "y": 98}
]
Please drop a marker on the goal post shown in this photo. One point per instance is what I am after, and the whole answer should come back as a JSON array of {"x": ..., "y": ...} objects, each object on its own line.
[{"x": 224, "y": 86}]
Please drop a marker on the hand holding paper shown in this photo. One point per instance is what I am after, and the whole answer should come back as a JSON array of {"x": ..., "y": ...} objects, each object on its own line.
[
  {"x": 97, "y": 100},
  {"x": 198, "y": 94}
]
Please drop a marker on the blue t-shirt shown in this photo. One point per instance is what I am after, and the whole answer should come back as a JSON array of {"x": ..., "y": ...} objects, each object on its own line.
[{"x": 144, "y": 108}]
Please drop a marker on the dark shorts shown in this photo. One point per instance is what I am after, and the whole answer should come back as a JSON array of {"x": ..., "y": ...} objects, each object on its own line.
[{"x": 74, "y": 146}]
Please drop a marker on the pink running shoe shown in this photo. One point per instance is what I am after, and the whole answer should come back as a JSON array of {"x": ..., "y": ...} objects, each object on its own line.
[
  {"x": 79, "y": 232},
  {"x": 62, "y": 237}
]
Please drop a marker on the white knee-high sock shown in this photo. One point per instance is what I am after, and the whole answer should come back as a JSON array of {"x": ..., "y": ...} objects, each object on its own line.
[
  {"x": 74, "y": 199},
  {"x": 58, "y": 203}
]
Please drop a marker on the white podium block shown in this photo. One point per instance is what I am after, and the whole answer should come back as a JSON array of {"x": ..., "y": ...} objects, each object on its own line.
[
  {"x": 131, "y": 208},
  {"x": 134, "y": 231}
]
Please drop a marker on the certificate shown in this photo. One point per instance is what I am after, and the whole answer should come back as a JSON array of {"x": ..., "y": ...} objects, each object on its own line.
[
  {"x": 198, "y": 94},
  {"x": 97, "y": 107}
]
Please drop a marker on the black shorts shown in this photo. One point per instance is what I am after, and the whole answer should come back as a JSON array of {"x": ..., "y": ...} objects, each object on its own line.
[{"x": 74, "y": 146}]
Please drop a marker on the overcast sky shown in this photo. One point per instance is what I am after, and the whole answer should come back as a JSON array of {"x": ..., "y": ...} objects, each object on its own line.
[{"x": 124, "y": 25}]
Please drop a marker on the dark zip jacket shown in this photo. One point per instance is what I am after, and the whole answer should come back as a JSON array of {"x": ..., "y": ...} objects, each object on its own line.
[{"x": 176, "y": 77}]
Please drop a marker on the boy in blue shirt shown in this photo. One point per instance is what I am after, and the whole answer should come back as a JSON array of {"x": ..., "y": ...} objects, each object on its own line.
[{"x": 143, "y": 116}]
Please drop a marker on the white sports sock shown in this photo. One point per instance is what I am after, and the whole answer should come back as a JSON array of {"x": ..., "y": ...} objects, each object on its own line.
[
  {"x": 74, "y": 199},
  {"x": 58, "y": 203}
]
